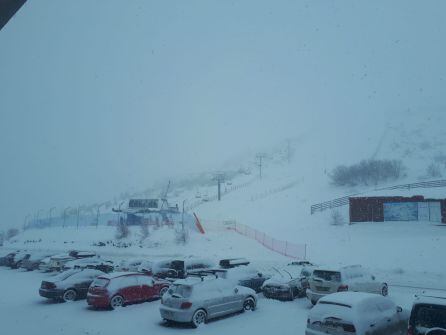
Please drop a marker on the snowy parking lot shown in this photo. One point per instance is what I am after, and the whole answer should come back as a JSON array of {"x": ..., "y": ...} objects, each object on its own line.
[{"x": 23, "y": 311}]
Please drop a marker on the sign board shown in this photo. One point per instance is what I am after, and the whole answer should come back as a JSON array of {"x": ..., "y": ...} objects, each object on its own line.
[{"x": 144, "y": 203}]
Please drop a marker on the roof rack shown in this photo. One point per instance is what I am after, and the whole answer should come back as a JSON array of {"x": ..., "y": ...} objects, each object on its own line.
[{"x": 207, "y": 273}]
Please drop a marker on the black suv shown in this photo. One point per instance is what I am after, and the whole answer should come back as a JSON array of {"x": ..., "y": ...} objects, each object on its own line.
[{"x": 428, "y": 315}]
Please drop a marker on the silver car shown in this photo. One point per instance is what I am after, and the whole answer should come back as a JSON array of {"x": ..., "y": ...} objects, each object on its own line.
[
  {"x": 348, "y": 278},
  {"x": 196, "y": 300}
]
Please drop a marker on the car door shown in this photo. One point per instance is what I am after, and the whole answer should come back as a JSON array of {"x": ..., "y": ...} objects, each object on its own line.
[
  {"x": 372, "y": 319},
  {"x": 147, "y": 287},
  {"x": 85, "y": 280},
  {"x": 233, "y": 299},
  {"x": 390, "y": 318},
  {"x": 353, "y": 281},
  {"x": 373, "y": 285},
  {"x": 215, "y": 303},
  {"x": 130, "y": 288}
]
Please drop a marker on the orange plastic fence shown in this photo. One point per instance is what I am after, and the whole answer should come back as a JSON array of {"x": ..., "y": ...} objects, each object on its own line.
[
  {"x": 198, "y": 224},
  {"x": 289, "y": 249}
]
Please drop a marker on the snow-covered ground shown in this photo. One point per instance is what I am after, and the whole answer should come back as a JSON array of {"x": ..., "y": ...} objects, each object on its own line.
[
  {"x": 25, "y": 312},
  {"x": 161, "y": 243}
]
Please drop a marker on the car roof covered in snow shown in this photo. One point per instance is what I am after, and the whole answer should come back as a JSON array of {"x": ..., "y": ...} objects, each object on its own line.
[
  {"x": 207, "y": 284},
  {"x": 190, "y": 281},
  {"x": 352, "y": 299},
  {"x": 339, "y": 268},
  {"x": 122, "y": 274},
  {"x": 287, "y": 273},
  {"x": 62, "y": 256},
  {"x": 434, "y": 298}
]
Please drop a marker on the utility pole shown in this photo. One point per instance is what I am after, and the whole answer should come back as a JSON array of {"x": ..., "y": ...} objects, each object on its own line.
[
  {"x": 77, "y": 220},
  {"x": 49, "y": 215},
  {"x": 259, "y": 163},
  {"x": 219, "y": 178},
  {"x": 37, "y": 217},
  {"x": 182, "y": 224},
  {"x": 97, "y": 214},
  {"x": 25, "y": 225},
  {"x": 65, "y": 216}
]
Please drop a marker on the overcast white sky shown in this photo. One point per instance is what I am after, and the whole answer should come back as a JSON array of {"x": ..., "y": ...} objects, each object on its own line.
[{"x": 97, "y": 97}]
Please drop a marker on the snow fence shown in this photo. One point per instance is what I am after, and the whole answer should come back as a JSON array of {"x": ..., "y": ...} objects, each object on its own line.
[{"x": 286, "y": 248}]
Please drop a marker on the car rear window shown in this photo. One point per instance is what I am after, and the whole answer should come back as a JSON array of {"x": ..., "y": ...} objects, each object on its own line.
[
  {"x": 183, "y": 291},
  {"x": 327, "y": 275},
  {"x": 334, "y": 303},
  {"x": 428, "y": 316},
  {"x": 65, "y": 275},
  {"x": 100, "y": 282}
]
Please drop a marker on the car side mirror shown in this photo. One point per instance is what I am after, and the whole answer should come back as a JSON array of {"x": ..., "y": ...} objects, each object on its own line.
[
  {"x": 236, "y": 290},
  {"x": 399, "y": 309}
]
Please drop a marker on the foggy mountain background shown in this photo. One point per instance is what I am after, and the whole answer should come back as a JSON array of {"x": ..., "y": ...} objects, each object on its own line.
[{"x": 99, "y": 97}]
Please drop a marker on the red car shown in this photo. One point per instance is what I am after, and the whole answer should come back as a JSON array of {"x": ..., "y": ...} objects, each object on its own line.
[{"x": 122, "y": 288}]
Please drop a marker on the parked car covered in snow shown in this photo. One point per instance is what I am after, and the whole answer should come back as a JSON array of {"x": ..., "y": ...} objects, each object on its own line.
[
  {"x": 180, "y": 268},
  {"x": 90, "y": 263},
  {"x": 288, "y": 283},
  {"x": 356, "y": 313},
  {"x": 348, "y": 278},
  {"x": 232, "y": 262},
  {"x": 7, "y": 258},
  {"x": 428, "y": 315},
  {"x": 69, "y": 285},
  {"x": 18, "y": 258},
  {"x": 156, "y": 268},
  {"x": 123, "y": 288},
  {"x": 244, "y": 275},
  {"x": 33, "y": 262},
  {"x": 44, "y": 264},
  {"x": 129, "y": 265},
  {"x": 146, "y": 267},
  {"x": 81, "y": 254},
  {"x": 55, "y": 263},
  {"x": 196, "y": 300}
]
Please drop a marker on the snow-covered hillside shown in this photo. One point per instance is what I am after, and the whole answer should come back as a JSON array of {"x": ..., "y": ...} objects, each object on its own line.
[{"x": 294, "y": 176}]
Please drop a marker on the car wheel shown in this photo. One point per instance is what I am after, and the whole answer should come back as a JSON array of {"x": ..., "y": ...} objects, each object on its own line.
[
  {"x": 385, "y": 290},
  {"x": 249, "y": 304},
  {"x": 199, "y": 318},
  {"x": 163, "y": 290},
  {"x": 116, "y": 301},
  {"x": 69, "y": 295}
]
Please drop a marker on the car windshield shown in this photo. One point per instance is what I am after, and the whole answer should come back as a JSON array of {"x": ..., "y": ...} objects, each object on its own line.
[
  {"x": 429, "y": 316},
  {"x": 100, "y": 282},
  {"x": 327, "y": 275},
  {"x": 183, "y": 291}
]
